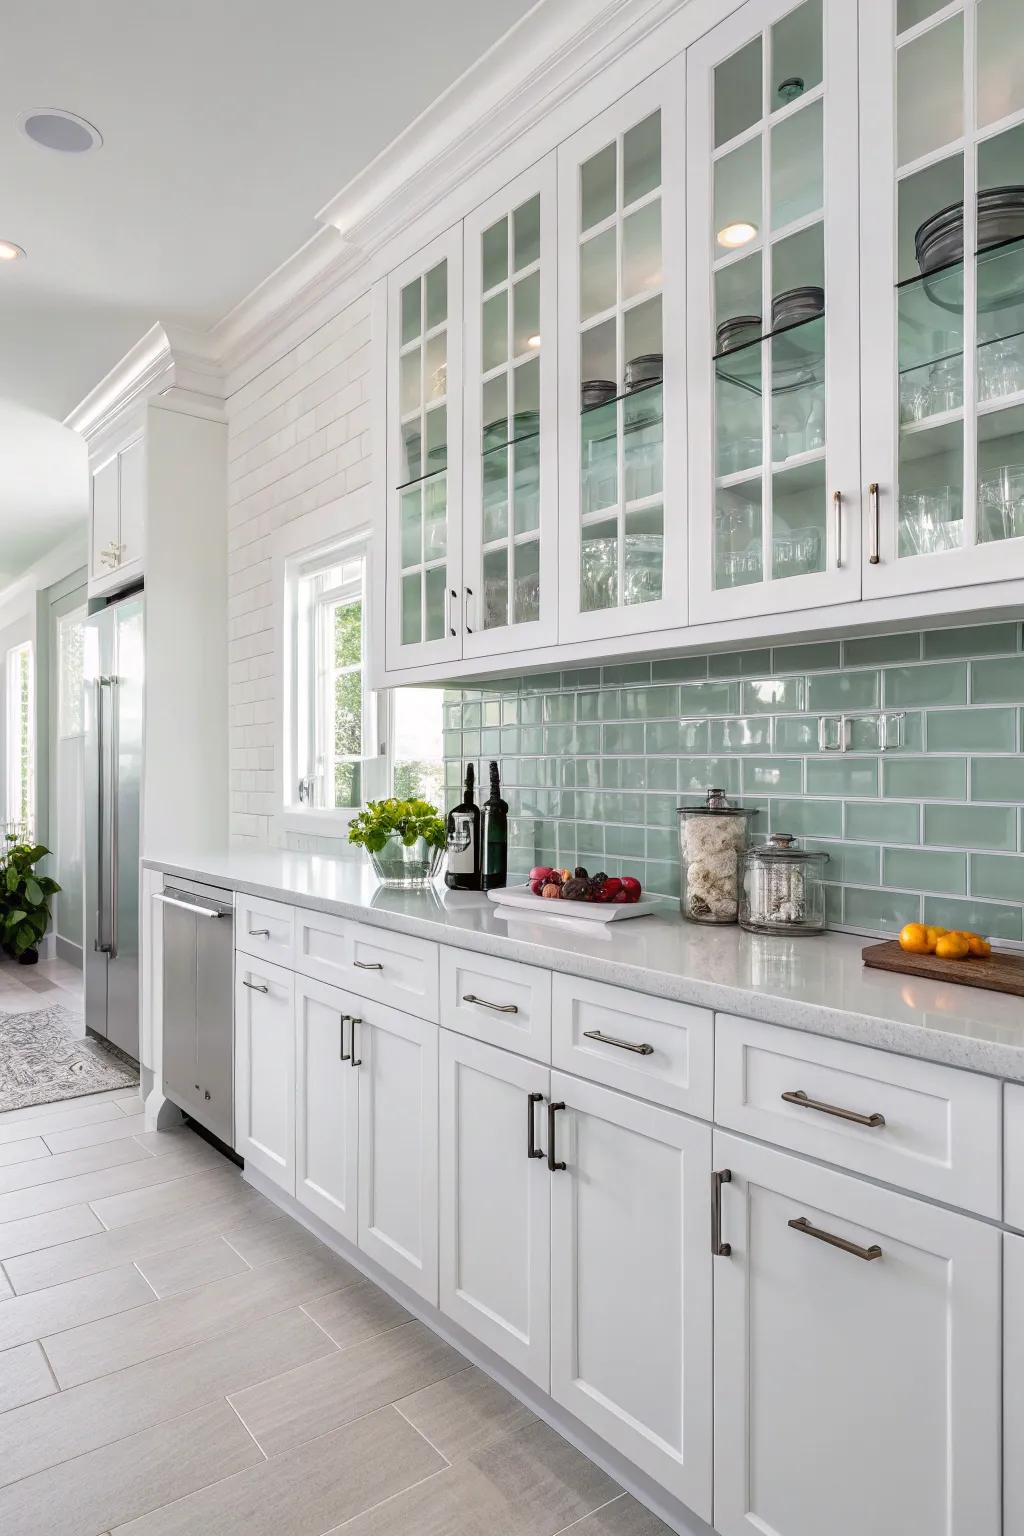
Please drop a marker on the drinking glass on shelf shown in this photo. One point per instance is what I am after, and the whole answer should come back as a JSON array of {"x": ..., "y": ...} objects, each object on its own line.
[
  {"x": 915, "y": 398},
  {"x": 1001, "y": 367},
  {"x": 1001, "y": 502},
  {"x": 930, "y": 521},
  {"x": 945, "y": 385}
]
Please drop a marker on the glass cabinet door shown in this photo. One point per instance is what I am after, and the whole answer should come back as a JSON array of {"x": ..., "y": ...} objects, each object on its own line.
[
  {"x": 943, "y": 291},
  {"x": 424, "y": 545},
  {"x": 772, "y": 310},
  {"x": 622, "y": 498},
  {"x": 510, "y": 481}
]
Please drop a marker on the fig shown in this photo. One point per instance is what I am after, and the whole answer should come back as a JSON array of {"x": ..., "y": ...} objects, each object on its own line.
[
  {"x": 579, "y": 873},
  {"x": 576, "y": 890}
]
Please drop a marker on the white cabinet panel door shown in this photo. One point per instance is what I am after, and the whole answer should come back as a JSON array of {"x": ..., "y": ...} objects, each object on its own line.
[
  {"x": 852, "y": 1393},
  {"x": 265, "y": 1069},
  {"x": 104, "y": 518},
  {"x": 631, "y": 1280},
  {"x": 132, "y": 502},
  {"x": 495, "y": 1201},
  {"x": 326, "y": 1106},
  {"x": 395, "y": 1056},
  {"x": 1013, "y": 1384}
]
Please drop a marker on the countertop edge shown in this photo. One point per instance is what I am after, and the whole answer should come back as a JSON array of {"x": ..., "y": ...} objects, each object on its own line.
[{"x": 968, "y": 1053}]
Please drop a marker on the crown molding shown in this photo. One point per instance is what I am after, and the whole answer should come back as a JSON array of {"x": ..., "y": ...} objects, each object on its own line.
[
  {"x": 552, "y": 52},
  {"x": 179, "y": 365}
]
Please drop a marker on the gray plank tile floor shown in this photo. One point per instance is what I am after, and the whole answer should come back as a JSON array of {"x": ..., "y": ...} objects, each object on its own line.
[{"x": 179, "y": 1356}]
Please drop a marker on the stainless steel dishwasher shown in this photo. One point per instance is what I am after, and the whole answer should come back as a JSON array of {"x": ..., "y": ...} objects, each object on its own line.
[{"x": 198, "y": 1003}]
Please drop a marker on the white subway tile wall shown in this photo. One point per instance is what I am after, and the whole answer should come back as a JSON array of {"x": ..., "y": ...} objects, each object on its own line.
[{"x": 298, "y": 439}]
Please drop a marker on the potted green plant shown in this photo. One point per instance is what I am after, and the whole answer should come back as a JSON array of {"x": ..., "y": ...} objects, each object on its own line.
[
  {"x": 404, "y": 838},
  {"x": 24, "y": 899}
]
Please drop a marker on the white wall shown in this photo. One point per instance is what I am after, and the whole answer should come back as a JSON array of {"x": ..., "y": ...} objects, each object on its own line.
[{"x": 298, "y": 446}]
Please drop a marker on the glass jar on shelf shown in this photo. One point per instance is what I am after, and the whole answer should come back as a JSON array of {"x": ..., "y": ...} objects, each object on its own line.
[
  {"x": 712, "y": 841},
  {"x": 783, "y": 890}
]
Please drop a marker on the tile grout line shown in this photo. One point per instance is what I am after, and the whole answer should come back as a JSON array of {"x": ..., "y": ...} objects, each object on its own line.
[
  {"x": 606, "y": 1505},
  {"x": 225, "y": 1239},
  {"x": 135, "y": 1265},
  {"x": 419, "y": 1431},
  {"x": 390, "y": 1498},
  {"x": 245, "y": 1426},
  {"x": 49, "y": 1367}
]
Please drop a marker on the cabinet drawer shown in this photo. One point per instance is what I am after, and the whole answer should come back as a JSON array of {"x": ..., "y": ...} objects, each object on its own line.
[
  {"x": 498, "y": 1001},
  {"x": 650, "y": 1046},
  {"x": 265, "y": 929},
  {"x": 1013, "y": 1156},
  {"x": 390, "y": 967},
  {"x": 924, "y": 1127}
]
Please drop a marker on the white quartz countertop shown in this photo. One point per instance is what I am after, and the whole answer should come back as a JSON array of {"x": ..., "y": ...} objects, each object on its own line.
[{"x": 819, "y": 984}]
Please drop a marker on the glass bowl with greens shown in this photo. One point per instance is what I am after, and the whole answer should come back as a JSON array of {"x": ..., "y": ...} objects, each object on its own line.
[{"x": 405, "y": 840}]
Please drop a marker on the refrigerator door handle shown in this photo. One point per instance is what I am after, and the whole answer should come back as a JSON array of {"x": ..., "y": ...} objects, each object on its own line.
[
  {"x": 100, "y": 944},
  {"x": 115, "y": 798}
]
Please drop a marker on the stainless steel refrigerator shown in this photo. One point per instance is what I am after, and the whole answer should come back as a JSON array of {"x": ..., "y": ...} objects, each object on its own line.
[{"x": 114, "y": 673}]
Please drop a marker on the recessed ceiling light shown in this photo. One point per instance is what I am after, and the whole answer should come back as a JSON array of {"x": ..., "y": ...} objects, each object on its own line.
[
  {"x": 740, "y": 233},
  {"x": 64, "y": 132},
  {"x": 10, "y": 252},
  {"x": 533, "y": 341}
]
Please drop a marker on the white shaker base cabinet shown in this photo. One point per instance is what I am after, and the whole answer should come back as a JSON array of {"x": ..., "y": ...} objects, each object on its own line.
[
  {"x": 852, "y": 1394},
  {"x": 495, "y": 1201},
  {"x": 395, "y": 1059},
  {"x": 631, "y": 1348},
  {"x": 326, "y": 1107},
  {"x": 1013, "y": 1384},
  {"x": 265, "y": 1069}
]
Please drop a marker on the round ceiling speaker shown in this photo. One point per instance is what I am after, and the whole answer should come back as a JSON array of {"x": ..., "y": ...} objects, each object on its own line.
[{"x": 63, "y": 132}]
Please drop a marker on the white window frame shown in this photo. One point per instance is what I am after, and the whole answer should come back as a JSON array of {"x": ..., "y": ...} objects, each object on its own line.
[
  {"x": 17, "y": 790},
  {"x": 306, "y": 757}
]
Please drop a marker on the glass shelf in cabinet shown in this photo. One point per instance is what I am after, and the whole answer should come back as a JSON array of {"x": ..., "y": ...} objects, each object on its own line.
[
  {"x": 745, "y": 362},
  {"x": 507, "y": 442},
  {"x": 639, "y": 423},
  {"x": 431, "y": 474}
]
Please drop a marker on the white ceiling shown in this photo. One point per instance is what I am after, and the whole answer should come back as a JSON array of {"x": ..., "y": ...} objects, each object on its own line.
[{"x": 226, "y": 125}]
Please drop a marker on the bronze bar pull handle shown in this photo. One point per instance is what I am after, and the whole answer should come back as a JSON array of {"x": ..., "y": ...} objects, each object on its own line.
[
  {"x": 801, "y": 1224},
  {"x": 624, "y": 1045},
  {"x": 356, "y": 1061},
  {"x": 481, "y": 1002},
  {"x": 719, "y": 1250},
  {"x": 532, "y": 1149},
  {"x": 553, "y": 1109},
  {"x": 344, "y": 1055},
  {"x": 837, "y": 508},
  {"x": 874, "y": 557},
  {"x": 367, "y": 965},
  {"x": 800, "y": 1099}
]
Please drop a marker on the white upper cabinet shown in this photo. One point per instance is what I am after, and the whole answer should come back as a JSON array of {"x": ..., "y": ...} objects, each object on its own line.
[
  {"x": 118, "y": 516},
  {"x": 772, "y": 263},
  {"x": 942, "y": 150},
  {"x": 424, "y": 456},
  {"x": 510, "y": 482},
  {"x": 622, "y": 421}
]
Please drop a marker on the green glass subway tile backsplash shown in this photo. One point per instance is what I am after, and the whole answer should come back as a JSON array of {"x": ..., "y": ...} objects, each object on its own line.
[{"x": 921, "y": 814}]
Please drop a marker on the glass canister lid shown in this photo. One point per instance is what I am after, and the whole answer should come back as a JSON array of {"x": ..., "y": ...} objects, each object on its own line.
[
  {"x": 717, "y": 804},
  {"x": 782, "y": 848}
]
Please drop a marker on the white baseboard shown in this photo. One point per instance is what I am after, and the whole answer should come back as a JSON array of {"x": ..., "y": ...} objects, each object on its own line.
[{"x": 675, "y": 1515}]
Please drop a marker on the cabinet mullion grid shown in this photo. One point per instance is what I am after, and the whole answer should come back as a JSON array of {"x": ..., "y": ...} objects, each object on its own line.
[
  {"x": 426, "y": 478},
  {"x": 768, "y": 239}
]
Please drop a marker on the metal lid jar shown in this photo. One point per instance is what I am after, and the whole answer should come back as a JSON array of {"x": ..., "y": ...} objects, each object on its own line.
[
  {"x": 712, "y": 841},
  {"x": 783, "y": 888}
]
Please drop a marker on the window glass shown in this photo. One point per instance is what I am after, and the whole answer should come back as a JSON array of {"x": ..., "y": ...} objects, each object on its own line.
[
  {"x": 20, "y": 741},
  {"x": 351, "y": 745}
]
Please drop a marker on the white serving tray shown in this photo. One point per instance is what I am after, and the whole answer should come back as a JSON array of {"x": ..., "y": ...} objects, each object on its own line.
[{"x": 521, "y": 898}]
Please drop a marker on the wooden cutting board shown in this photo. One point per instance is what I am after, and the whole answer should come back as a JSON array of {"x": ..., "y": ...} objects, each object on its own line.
[{"x": 1002, "y": 971}]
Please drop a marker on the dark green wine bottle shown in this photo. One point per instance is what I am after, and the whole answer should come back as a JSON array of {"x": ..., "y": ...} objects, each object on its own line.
[{"x": 494, "y": 837}]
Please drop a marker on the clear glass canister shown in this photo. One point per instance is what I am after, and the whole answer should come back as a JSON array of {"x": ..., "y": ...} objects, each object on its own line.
[
  {"x": 783, "y": 889},
  {"x": 712, "y": 841}
]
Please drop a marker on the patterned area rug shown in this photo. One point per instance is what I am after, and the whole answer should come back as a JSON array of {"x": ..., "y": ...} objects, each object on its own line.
[{"x": 43, "y": 1057}]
